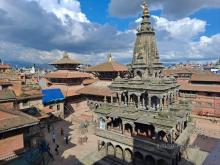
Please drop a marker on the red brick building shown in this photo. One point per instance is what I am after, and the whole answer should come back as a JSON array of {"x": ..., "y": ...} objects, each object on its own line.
[
  {"x": 202, "y": 87},
  {"x": 16, "y": 133}
]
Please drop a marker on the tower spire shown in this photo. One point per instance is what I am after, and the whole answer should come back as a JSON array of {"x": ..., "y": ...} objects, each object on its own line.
[
  {"x": 110, "y": 57},
  {"x": 145, "y": 10}
]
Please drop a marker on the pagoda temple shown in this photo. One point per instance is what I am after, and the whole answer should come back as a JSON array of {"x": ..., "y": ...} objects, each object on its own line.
[
  {"x": 69, "y": 79},
  {"x": 147, "y": 123},
  {"x": 105, "y": 73}
]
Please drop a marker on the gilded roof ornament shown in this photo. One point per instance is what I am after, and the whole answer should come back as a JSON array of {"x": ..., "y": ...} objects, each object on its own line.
[
  {"x": 110, "y": 58},
  {"x": 65, "y": 55},
  {"x": 145, "y": 9}
]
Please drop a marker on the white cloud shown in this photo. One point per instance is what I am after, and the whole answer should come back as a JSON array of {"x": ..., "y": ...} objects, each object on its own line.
[
  {"x": 35, "y": 24},
  {"x": 40, "y": 30},
  {"x": 174, "y": 9},
  {"x": 182, "y": 29},
  {"x": 206, "y": 47},
  {"x": 64, "y": 9},
  {"x": 177, "y": 40}
]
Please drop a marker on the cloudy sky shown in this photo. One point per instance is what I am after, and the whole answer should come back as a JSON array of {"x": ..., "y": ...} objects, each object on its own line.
[{"x": 39, "y": 31}]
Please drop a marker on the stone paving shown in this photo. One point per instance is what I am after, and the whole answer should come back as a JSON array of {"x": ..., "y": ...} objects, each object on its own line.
[
  {"x": 205, "y": 138},
  {"x": 204, "y": 142},
  {"x": 74, "y": 152}
]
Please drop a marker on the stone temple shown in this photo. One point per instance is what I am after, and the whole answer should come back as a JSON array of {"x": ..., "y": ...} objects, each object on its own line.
[{"x": 147, "y": 123}]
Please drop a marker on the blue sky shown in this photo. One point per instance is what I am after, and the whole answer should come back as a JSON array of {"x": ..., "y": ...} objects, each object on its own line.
[{"x": 40, "y": 31}]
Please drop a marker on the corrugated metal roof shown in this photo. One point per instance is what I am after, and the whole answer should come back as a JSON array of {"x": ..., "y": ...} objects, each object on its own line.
[{"x": 52, "y": 95}]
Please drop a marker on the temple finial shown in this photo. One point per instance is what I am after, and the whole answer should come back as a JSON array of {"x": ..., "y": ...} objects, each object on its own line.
[
  {"x": 110, "y": 58},
  {"x": 65, "y": 55},
  {"x": 145, "y": 9}
]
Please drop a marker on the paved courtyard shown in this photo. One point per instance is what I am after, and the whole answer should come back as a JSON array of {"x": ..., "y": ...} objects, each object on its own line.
[
  {"x": 74, "y": 152},
  {"x": 205, "y": 142}
]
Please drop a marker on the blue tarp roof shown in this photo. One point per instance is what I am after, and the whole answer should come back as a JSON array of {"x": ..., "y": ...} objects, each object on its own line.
[{"x": 52, "y": 95}]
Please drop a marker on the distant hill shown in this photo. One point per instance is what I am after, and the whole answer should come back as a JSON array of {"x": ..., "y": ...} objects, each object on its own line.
[{"x": 18, "y": 64}]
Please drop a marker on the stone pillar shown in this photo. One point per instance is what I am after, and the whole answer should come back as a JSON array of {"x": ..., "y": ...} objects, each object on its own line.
[
  {"x": 173, "y": 135},
  {"x": 161, "y": 103},
  {"x": 119, "y": 97},
  {"x": 149, "y": 132},
  {"x": 143, "y": 102},
  {"x": 106, "y": 148},
  {"x": 139, "y": 100},
  {"x": 125, "y": 99},
  {"x": 123, "y": 128},
  {"x": 98, "y": 144},
  {"x": 111, "y": 99},
  {"x": 149, "y": 101},
  {"x": 129, "y": 98},
  {"x": 133, "y": 130}
]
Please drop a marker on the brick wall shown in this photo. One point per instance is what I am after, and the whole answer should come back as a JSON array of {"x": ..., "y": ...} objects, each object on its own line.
[{"x": 11, "y": 144}]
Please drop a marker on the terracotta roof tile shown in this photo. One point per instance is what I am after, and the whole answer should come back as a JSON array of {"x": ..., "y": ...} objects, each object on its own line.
[
  {"x": 201, "y": 88},
  {"x": 68, "y": 74},
  {"x": 109, "y": 66},
  {"x": 5, "y": 66},
  {"x": 89, "y": 81},
  {"x": 7, "y": 94},
  {"x": 5, "y": 82},
  {"x": 65, "y": 60},
  {"x": 68, "y": 90},
  {"x": 99, "y": 88},
  {"x": 12, "y": 119},
  {"x": 206, "y": 77}
]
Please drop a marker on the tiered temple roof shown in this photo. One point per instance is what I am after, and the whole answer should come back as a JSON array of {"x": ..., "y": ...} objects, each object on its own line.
[
  {"x": 67, "y": 77},
  {"x": 68, "y": 74},
  {"x": 109, "y": 66},
  {"x": 105, "y": 72},
  {"x": 65, "y": 60},
  {"x": 98, "y": 88}
]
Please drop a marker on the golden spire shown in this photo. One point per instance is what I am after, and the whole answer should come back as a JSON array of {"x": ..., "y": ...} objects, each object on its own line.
[
  {"x": 145, "y": 9},
  {"x": 110, "y": 58}
]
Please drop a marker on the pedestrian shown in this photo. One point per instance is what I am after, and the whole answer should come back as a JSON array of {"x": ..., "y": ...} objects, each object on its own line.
[
  {"x": 48, "y": 147},
  {"x": 54, "y": 137},
  {"x": 57, "y": 149},
  {"x": 49, "y": 153},
  {"x": 66, "y": 139},
  {"x": 61, "y": 132}
]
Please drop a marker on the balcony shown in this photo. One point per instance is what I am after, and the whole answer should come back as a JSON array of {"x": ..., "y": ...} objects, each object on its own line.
[{"x": 150, "y": 145}]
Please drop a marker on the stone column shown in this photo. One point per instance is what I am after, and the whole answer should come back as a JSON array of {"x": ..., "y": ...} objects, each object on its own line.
[
  {"x": 123, "y": 128},
  {"x": 125, "y": 99},
  {"x": 173, "y": 135},
  {"x": 143, "y": 102},
  {"x": 129, "y": 98},
  {"x": 177, "y": 95},
  {"x": 161, "y": 103},
  {"x": 149, "y": 101},
  {"x": 111, "y": 99},
  {"x": 139, "y": 100},
  {"x": 98, "y": 144},
  {"x": 133, "y": 130},
  {"x": 119, "y": 97}
]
